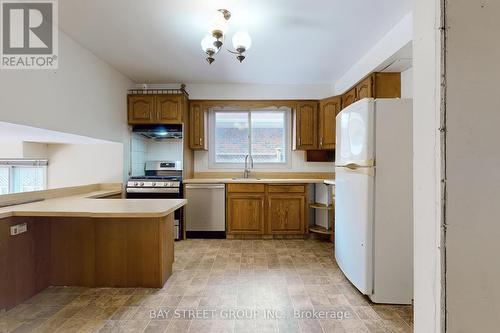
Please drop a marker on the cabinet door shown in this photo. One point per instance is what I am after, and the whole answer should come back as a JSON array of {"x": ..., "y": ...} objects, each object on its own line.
[
  {"x": 387, "y": 85},
  {"x": 141, "y": 109},
  {"x": 307, "y": 126},
  {"x": 197, "y": 127},
  {"x": 328, "y": 110},
  {"x": 245, "y": 214},
  {"x": 286, "y": 213},
  {"x": 168, "y": 109},
  {"x": 348, "y": 98},
  {"x": 365, "y": 89}
]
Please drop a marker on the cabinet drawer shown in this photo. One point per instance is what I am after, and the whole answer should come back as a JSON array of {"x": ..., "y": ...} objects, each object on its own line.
[
  {"x": 246, "y": 188},
  {"x": 287, "y": 188}
]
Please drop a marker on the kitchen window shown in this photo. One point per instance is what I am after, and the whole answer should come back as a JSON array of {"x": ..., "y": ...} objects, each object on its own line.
[
  {"x": 263, "y": 134},
  {"x": 18, "y": 176}
]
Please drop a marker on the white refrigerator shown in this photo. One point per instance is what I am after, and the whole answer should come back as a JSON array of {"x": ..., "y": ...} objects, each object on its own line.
[{"x": 374, "y": 205}]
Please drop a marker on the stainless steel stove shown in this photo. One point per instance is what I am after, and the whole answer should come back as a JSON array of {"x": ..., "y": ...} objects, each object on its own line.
[{"x": 162, "y": 180}]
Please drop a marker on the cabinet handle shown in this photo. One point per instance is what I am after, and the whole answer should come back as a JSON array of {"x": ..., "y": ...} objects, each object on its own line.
[
  {"x": 321, "y": 142},
  {"x": 300, "y": 142},
  {"x": 200, "y": 141}
]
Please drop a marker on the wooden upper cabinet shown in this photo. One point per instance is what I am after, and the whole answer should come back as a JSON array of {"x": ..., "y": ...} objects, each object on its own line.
[
  {"x": 349, "y": 97},
  {"x": 169, "y": 109},
  {"x": 365, "y": 88},
  {"x": 197, "y": 127},
  {"x": 306, "y": 125},
  {"x": 386, "y": 85},
  {"x": 328, "y": 110},
  {"x": 156, "y": 109},
  {"x": 286, "y": 213},
  {"x": 245, "y": 213},
  {"x": 375, "y": 85},
  {"x": 141, "y": 109}
]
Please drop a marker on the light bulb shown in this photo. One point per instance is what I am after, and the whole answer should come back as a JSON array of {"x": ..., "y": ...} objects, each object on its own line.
[
  {"x": 219, "y": 24},
  {"x": 242, "y": 40},
  {"x": 207, "y": 43}
]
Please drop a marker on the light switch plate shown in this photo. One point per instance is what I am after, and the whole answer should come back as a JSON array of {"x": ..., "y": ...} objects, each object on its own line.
[{"x": 18, "y": 229}]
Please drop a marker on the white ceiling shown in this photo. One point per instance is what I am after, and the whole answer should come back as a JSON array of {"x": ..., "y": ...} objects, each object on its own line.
[{"x": 294, "y": 41}]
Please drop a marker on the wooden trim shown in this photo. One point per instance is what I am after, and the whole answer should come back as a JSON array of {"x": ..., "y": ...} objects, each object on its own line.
[
  {"x": 272, "y": 188},
  {"x": 246, "y": 188}
]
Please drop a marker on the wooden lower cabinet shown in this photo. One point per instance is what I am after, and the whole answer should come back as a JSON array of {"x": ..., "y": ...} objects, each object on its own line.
[
  {"x": 286, "y": 213},
  {"x": 245, "y": 213},
  {"x": 259, "y": 209}
]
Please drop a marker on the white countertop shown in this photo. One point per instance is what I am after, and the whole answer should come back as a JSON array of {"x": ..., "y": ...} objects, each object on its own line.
[{"x": 89, "y": 205}]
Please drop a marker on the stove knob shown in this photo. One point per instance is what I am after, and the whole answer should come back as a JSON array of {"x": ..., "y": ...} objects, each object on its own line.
[
  {"x": 136, "y": 184},
  {"x": 141, "y": 184},
  {"x": 153, "y": 184}
]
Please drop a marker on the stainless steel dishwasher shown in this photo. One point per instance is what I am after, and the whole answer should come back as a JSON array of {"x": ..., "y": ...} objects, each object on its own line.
[{"x": 206, "y": 211}]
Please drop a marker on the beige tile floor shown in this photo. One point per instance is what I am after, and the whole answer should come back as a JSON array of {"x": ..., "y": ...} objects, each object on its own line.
[{"x": 221, "y": 286}]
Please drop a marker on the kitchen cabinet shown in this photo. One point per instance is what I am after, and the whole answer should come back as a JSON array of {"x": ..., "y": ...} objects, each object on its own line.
[
  {"x": 348, "y": 98},
  {"x": 375, "y": 85},
  {"x": 245, "y": 213},
  {"x": 198, "y": 122},
  {"x": 306, "y": 125},
  {"x": 286, "y": 209},
  {"x": 261, "y": 209},
  {"x": 141, "y": 109},
  {"x": 386, "y": 85},
  {"x": 365, "y": 88},
  {"x": 156, "y": 109},
  {"x": 169, "y": 109},
  {"x": 328, "y": 110}
]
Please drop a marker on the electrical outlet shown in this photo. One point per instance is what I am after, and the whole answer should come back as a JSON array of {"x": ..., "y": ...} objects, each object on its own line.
[{"x": 18, "y": 229}]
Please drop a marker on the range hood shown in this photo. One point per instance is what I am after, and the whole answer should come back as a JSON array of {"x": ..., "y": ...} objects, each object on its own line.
[{"x": 159, "y": 132}]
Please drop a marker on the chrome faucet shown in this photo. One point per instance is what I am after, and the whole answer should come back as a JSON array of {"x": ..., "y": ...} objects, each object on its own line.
[{"x": 246, "y": 173}]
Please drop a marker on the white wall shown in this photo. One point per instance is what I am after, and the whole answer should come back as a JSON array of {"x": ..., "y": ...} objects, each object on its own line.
[
  {"x": 85, "y": 96},
  {"x": 35, "y": 150},
  {"x": 72, "y": 165},
  {"x": 382, "y": 53},
  {"x": 20, "y": 149},
  {"x": 426, "y": 166},
  {"x": 407, "y": 83},
  {"x": 250, "y": 91},
  {"x": 11, "y": 149},
  {"x": 254, "y": 91},
  {"x": 473, "y": 164},
  {"x": 201, "y": 164},
  {"x": 149, "y": 150}
]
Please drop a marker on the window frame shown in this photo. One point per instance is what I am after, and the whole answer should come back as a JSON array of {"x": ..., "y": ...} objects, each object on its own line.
[
  {"x": 13, "y": 164},
  {"x": 287, "y": 164}
]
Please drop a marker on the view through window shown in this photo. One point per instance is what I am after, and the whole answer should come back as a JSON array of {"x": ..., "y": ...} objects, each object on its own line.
[
  {"x": 261, "y": 134},
  {"x": 22, "y": 176}
]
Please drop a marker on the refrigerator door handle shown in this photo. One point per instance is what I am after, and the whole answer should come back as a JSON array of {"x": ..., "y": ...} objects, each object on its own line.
[{"x": 352, "y": 166}]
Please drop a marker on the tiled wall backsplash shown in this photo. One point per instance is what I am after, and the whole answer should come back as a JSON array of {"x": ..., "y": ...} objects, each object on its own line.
[{"x": 143, "y": 150}]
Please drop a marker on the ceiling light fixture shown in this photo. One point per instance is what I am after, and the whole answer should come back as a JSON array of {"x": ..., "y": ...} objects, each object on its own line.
[{"x": 214, "y": 40}]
